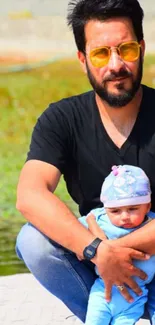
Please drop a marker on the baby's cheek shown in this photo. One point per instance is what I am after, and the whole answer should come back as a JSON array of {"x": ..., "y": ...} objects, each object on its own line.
[{"x": 117, "y": 221}]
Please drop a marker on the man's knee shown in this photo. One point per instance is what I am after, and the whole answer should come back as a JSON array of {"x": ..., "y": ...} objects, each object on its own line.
[{"x": 32, "y": 246}]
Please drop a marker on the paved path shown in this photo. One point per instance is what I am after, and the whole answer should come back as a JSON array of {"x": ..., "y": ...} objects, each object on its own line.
[{"x": 23, "y": 301}]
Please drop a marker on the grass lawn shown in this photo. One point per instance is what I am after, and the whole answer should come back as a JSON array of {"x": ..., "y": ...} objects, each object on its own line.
[{"x": 23, "y": 97}]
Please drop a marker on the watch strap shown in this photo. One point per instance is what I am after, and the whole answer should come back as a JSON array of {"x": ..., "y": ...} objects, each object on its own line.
[{"x": 95, "y": 243}]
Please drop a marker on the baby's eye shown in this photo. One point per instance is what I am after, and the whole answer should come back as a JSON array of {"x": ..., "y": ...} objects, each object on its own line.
[
  {"x": 115, "y": 211},
  {"x": 133, "y": 208}
]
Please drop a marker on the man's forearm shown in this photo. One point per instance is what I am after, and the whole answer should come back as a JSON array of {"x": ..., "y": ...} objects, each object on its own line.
[
  {"x": 142, "y": 239},
  {"x": 53, "y": 218}
]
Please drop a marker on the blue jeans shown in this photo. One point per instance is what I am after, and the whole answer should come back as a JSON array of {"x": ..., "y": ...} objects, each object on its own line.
[{"x": 57, "y": 269}]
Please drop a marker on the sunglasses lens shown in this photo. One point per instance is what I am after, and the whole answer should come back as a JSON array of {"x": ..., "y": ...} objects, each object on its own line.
[
  {"x": 129, "y": 51},
  {"x": 100, "y": 57}
]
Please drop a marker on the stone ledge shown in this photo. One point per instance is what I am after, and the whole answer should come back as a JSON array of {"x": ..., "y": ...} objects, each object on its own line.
[{"x": 23, "y": 301}]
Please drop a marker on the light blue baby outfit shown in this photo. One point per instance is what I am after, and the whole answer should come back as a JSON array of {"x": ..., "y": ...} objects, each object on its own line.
[{"x": 119, "y": 311}]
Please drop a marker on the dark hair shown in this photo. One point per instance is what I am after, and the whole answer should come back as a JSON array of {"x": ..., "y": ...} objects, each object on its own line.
[{"x": 81, "y": 11}]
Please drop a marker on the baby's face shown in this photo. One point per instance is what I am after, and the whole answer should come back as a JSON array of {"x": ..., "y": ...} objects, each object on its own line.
[{"x": 128, "y": 216}]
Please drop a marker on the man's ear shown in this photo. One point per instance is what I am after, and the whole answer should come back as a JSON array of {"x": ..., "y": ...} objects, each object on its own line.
[
  {"x": 82, "y": 59},
  {"x": 142, "y": 43}
]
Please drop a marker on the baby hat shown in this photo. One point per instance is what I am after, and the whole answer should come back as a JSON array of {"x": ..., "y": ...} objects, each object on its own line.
[{"x": 125, "y": 185}]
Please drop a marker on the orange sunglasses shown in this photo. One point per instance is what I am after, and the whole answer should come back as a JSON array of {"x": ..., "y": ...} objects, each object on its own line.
[{"x": 128, "y": 51}]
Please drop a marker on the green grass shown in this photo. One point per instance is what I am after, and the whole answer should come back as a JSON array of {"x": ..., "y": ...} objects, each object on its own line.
[{"x": 23, "y": 97}]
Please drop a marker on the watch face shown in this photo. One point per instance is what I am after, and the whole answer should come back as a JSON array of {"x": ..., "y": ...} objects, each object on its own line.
[{"x": 89, "y": 252}]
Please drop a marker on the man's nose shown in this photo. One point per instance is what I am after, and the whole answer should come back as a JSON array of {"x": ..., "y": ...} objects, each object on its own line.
[{"x": 115, "y": 62}]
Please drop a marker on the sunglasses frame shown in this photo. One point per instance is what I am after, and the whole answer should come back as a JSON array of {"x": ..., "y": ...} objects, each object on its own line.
[{"x": 118, "y": 51}]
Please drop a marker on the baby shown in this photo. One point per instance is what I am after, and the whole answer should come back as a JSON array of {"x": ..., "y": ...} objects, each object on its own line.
[{"x": 126, "y": 196}]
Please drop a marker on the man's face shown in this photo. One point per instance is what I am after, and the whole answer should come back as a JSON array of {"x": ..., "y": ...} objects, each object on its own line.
[
  {"x": 118, "y": 81},
  {"x": 124, "y": 94}
]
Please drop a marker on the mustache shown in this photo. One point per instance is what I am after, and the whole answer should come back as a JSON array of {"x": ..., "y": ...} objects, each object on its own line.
[{"x": 115, "y": 75}]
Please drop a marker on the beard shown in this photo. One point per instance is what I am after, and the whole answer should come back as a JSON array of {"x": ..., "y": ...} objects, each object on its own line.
[{"x": 126, "y": 96}]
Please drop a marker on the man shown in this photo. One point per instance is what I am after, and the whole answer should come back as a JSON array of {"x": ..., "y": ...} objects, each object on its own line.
[{"x": 81, "y": 138}]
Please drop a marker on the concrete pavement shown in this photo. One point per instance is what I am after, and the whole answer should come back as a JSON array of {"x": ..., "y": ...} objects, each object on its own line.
[{"x": 23, "y": 301}]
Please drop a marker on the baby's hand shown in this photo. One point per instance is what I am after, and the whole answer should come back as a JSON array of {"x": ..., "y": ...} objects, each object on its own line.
[{"x": 94, "y": 228}]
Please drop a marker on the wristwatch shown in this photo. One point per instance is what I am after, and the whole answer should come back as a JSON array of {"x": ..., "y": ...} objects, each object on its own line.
[{"x": 90, "y": 250}]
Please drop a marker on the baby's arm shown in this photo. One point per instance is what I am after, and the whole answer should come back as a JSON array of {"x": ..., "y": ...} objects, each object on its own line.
[{"x": 94, "y": 228}]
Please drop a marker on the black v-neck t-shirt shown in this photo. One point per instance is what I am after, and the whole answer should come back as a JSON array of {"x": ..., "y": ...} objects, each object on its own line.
[{"x": 70, "y": 135}]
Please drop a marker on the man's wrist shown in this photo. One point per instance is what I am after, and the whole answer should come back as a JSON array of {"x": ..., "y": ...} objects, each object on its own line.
[
  {"x": 90, "y": 251},
  {"x": 104, "y": 245}
]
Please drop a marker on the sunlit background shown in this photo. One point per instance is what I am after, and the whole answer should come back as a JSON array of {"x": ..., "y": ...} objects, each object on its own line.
[{"x": 37, "y": 66}]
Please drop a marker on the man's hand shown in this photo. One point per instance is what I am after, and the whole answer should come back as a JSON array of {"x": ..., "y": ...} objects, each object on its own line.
[{"x": 115, "y": 267}]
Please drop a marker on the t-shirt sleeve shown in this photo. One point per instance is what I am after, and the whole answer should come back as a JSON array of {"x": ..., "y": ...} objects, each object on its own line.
[{"x": 51, "y": 138}]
